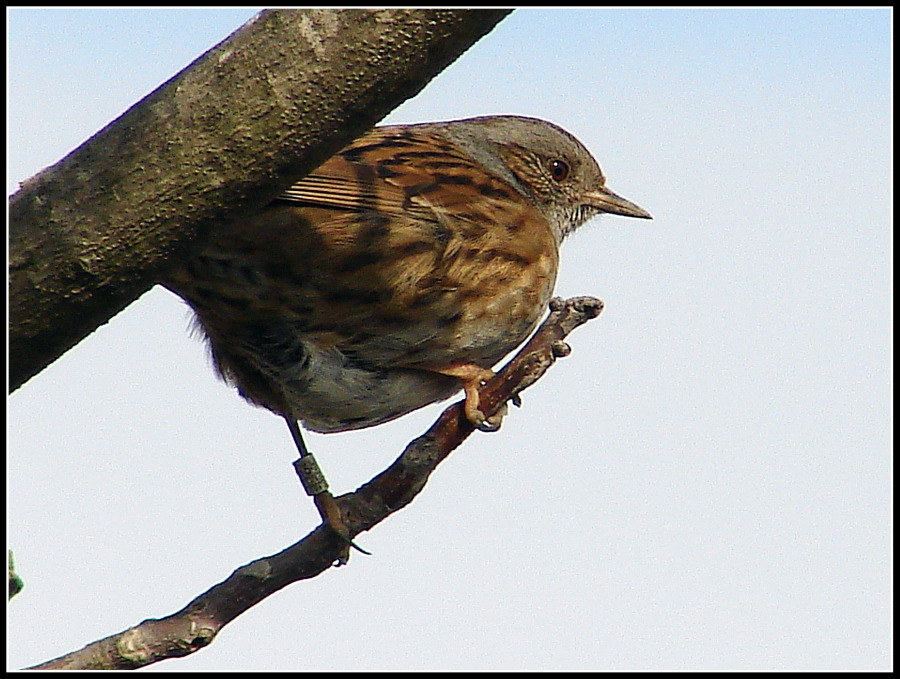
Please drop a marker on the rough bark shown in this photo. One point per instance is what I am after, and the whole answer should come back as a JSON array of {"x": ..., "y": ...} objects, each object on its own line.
[{"x": 217, "y": 141}]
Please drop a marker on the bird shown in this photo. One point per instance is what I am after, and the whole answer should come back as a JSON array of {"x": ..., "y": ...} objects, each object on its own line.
[{"x": 396, "y": 274}]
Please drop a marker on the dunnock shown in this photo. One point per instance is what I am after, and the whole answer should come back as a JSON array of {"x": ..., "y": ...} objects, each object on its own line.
[{"x": 398, "y": 272}]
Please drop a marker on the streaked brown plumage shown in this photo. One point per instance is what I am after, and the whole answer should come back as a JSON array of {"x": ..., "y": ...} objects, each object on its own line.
[
  {"x": 394, "y": 275},
  {"x": 399, "y": 271}
]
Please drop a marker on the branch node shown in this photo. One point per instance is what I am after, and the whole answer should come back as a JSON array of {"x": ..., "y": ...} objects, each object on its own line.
[{"x": 560, "y": 348}]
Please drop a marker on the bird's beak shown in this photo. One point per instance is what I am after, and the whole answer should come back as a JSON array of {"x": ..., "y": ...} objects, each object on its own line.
[{"x": 606, "y": 201}]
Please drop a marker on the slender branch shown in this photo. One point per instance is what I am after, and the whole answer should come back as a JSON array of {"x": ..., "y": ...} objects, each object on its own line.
[{"x": 196, "y": 625}]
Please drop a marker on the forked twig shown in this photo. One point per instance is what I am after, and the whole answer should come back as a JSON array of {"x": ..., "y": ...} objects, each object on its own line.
[{"x": 198, "y": 623}]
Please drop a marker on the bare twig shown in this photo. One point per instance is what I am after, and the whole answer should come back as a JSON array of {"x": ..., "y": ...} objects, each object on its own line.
[{"x": 196, "y": 625}]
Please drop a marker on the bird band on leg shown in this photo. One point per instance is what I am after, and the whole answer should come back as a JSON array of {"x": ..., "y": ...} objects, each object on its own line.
[
  {"x": 311, "y": 476},
  {"x": 316, "y": 485}
]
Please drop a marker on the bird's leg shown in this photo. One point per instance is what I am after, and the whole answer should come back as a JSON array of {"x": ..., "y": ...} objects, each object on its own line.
[
  {"x": 472, "y": 377},
  {"x": 315, "y": 485}
]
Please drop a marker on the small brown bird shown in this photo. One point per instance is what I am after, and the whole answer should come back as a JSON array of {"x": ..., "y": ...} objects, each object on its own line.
[{"x": 398, "y": 272}]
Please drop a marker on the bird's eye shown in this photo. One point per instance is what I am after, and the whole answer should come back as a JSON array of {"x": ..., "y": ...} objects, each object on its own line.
[{"x": 559, "y": 169}]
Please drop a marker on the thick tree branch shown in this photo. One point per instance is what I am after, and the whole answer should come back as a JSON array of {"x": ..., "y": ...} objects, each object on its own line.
[
  {"x": 196, "y": 625},
  {"x": 219, "y": 140}
]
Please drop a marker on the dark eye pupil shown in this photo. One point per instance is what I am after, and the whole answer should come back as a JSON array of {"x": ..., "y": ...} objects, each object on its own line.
[{"x": 559, "y": 169}]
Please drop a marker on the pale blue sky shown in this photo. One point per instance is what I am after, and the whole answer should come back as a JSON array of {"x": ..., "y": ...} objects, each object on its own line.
[{"x": 705, "y": 483}]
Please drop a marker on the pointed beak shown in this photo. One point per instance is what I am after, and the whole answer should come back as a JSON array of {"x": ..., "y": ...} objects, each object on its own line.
[{"x": 606, "y": 201}]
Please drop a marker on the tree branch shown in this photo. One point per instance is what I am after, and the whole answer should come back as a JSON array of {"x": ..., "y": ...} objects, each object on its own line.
[
  {"x": 219, "y": 140},
  {"x": 196, "y": 625}
]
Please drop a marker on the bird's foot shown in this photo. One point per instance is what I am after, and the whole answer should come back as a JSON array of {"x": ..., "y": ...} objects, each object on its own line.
[{"x": 472, "y": 377}]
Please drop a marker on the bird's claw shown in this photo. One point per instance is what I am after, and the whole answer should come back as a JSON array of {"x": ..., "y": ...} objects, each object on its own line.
[{"x": 487, "y": 424}]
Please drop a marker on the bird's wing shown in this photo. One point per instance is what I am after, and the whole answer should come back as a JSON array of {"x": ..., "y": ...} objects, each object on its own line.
[{"x": 405, "y": 171}]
